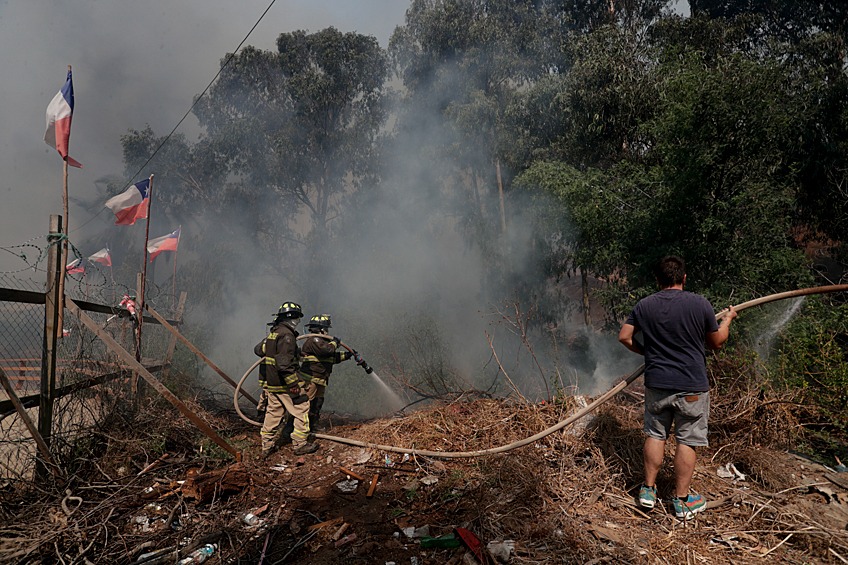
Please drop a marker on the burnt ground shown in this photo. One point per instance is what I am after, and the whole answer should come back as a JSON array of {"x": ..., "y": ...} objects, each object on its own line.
[{"x": 568, "y": 498}]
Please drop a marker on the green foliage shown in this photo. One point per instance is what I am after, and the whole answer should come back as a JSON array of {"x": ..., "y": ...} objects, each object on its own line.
[{"x": 813, "y": 357}]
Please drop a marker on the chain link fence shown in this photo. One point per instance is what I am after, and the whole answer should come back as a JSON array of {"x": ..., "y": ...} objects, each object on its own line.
[{"x": 92, "y": 384}]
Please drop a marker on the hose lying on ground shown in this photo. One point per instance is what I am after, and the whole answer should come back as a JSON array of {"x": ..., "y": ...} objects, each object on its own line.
[{"x": 571, "y": 419}]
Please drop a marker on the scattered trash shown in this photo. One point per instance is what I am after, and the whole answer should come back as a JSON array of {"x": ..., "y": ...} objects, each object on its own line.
[
  {"x": 199, "y": 555},
  {"x": 472, "y": 542},
  {"x": 388, "y": 461},
  {"x": 279, "y": 468},
  {"x": 447, "y": 540},
  {"x": 142, "y": 523},
  {"x": 251, "y": 519},
  {"x": 347, "y": 486},
  {"x": 409, "y": 532},
  {"x": 730, "y": 471},
  {"x": 429, "y": 480},
  {"x": 501, "y": 550},
  {"x": 840, "y": 468},
  {"x": 405, "y": 458},
  {"x": 151, "y": 554},
  {"x": 413, "y": 560}
]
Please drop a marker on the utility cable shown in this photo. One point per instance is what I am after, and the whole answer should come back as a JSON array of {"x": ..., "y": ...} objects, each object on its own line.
[
  {"x": 179, "y": 123},
  {"x": 571, "y": 419}
]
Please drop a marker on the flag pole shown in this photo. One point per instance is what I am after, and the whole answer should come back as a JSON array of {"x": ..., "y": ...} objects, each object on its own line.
[
  {"x": 174, "y": 277},
  {"x": 112, "y": 276},
  {"x": 144, "y": 271},
  {"x": 61, "y": 307}
]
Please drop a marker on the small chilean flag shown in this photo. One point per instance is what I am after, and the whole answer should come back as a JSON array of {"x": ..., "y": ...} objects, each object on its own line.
[
  {"x": 131, "y": 205},
  {"x": 75, "y": 266},
  {"x": 168, "y": 242},
  {"x": 59, "y": 114},
  {"x": 102, "y": 257}
]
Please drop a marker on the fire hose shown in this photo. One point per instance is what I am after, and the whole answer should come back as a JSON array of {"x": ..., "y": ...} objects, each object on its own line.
[{"x": 558, "y": 426}]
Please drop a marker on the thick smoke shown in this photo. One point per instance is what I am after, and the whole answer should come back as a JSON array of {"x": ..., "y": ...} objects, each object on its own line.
[
  {"x": 422, "y": 295},
  {"x": 410, "y": 281}
]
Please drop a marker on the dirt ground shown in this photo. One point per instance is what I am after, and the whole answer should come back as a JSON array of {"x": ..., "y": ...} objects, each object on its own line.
[{"x": 567, "y": 498}]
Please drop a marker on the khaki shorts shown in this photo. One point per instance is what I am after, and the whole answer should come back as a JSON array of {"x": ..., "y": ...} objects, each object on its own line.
[{"x": 688, "y": 411}]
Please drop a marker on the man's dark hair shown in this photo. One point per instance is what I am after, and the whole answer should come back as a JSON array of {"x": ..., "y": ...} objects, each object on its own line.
[{"x": 670, "y": 271}]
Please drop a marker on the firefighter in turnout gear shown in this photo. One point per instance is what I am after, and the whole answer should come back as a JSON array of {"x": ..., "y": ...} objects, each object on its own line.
[
  {"x": 284, "y": 387},
  {"x": 318, "y": 355}
]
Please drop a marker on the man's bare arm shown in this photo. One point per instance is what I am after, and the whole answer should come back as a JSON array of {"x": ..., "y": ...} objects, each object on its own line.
[
  {"x": 716, "y": 339},
  {"x": 625, "y": 336}
]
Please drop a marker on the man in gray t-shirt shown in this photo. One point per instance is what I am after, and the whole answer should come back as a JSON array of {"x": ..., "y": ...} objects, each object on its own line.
[{"x": 676, "y": 325}]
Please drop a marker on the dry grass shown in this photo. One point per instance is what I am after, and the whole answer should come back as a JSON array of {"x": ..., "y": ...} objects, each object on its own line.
[{"x": 567, "y": 498}]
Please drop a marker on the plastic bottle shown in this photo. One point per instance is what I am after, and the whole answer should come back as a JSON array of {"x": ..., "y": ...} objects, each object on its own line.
[
  {"x": 199, "y": 555},
  {"x": 251, "y": 519}
]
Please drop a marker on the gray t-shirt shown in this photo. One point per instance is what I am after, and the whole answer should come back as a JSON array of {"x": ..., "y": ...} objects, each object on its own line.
[{"x": 674, "y": 324}]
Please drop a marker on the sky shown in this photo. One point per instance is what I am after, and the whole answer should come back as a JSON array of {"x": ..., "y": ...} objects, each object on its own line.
[{"x": 134, "y": 64}]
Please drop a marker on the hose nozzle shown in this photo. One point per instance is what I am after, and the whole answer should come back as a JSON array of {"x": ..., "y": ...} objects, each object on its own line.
[{"x": 361, "y": 362}]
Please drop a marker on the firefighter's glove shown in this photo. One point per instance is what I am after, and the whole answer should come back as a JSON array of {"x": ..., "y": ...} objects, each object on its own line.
[
  {"x": 337, "y": 340},
  {"x": 300, "y": 399}
]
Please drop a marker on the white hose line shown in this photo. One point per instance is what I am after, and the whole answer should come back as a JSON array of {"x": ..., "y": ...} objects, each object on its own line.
[{"x": 558, "y": 426}]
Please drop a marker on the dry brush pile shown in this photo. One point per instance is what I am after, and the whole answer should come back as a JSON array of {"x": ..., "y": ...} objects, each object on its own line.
[{"x": 568, "y": 498}]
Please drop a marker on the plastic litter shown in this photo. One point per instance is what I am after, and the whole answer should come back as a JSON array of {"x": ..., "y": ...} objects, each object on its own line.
[
  {"x": 730, "y": 471},
  {"x": 347, "y": 486},
  {"x": 447, "y": 540},
  {"x": 199, "y": 555},
  {"x": 251, "y": 519},
  {"x": 501, "y": 550}
]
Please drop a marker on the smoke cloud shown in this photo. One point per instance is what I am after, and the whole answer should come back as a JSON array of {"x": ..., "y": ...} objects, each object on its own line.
[{"x": 408, "y": 286}]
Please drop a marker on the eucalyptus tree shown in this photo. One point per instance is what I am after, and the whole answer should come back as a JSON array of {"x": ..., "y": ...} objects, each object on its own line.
[
  {"x": 300, "y": 125},
  {"x": 288, "y": 137}
]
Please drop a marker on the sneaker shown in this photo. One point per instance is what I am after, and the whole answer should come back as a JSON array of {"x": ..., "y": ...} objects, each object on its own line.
[
  {"x": 686, "y": 509},
  {"x": 648, "y": 496},
  {"x": 306, "y": 449}
]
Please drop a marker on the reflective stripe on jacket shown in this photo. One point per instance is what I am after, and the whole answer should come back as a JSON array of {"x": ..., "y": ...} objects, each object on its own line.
[
  {"x": 318, "y": 355},
  {"x": 280, "y": 354}
]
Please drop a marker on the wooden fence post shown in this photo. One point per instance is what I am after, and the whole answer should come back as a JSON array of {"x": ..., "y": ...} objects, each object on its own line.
[
  {"x": 139, "y": 288},
  {"x": 129, "y": 359},
  {"x": 51, "y": 322}
]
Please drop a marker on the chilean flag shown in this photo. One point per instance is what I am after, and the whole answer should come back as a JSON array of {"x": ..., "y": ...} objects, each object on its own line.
[
  {"x": 168, "y": 242},
  {"x": 102, "y": 257},
  {"x": 131, "y": 205},
  {"x": 59, "y": 114},
  {"x": 75, "y": 266}
]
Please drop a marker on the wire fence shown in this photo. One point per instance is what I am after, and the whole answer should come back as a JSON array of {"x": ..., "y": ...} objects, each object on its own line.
[{"x": 92, "y": 384}]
